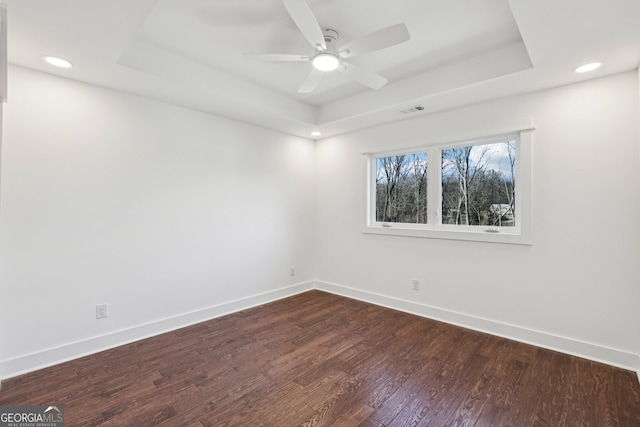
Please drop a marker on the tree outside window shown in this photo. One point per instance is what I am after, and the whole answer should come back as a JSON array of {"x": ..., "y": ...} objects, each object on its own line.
[
  {"x": 478, "y": 185},
  {"x": 401, "y": 188}
]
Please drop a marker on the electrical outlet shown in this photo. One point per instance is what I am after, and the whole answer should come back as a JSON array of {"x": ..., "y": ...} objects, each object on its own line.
[
  {"x": 101, "y": 311},
  {"x": 416, "y": 284},
  {"x": 292, "y": 271}
]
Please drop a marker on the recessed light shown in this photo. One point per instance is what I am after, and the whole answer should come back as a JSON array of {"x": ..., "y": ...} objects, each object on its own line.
[
  {"x": 316, "y": 133},
  {"x": 58, "y": 62},
  {"x": 587, "y": 67}
]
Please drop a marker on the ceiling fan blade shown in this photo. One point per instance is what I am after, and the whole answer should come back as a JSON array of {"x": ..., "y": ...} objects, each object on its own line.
[
  {"x": 284, "y": 57},
  {"x": 306, "y": 21},
  {"x": 362, "y": 76},
  {"x": 381, "y": 39},
  {"x": 311, "y": 82}
]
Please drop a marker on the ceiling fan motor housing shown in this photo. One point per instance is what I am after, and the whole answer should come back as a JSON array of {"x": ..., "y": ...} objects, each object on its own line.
[
  {"x": 328, "y": 60},
  {"x": 331, "y": 39}
]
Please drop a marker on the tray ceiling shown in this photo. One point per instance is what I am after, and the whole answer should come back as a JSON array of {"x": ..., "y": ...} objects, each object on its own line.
[{"x": 189, "y": 52}]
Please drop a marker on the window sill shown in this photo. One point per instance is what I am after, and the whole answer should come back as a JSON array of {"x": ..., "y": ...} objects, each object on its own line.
[{"x": 449, "y": 234}]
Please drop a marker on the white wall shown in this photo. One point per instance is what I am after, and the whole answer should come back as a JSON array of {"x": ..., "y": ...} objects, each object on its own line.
[
  {"x": 575, "y": 289},
  {"x": 171, "y": 216},
  {"x": 157, "y": 210}
]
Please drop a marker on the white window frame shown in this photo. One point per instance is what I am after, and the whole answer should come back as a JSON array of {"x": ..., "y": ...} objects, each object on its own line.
[{"x": 521, "y": 233}]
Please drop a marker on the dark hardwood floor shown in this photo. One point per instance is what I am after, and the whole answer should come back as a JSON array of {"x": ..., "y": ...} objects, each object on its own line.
[{"x": 317, "y": 359}]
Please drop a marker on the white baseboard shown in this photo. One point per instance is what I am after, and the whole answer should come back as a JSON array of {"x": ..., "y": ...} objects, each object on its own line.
[
  {"x": 53, "y": 356},
  {"x": 63, "y": 353},
  {"x": 598, "y": 353}
]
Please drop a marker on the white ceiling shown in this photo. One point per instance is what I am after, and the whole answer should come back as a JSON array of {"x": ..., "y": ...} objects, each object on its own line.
[{"x": 189, "y": 52}]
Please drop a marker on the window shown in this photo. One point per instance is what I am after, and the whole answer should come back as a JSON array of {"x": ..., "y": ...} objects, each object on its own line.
[
  {"x": 401, "y": 188},
  {"x": 478, "y": 184},
  {"x": 474, "y": 189}
]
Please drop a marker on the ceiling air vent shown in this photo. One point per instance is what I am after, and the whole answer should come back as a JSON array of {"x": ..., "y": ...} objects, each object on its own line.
[{"x": 413, "y": 109}]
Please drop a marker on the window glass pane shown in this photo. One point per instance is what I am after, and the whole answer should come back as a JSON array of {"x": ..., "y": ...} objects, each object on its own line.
[
  {"x": 478, "y": 184},
  {"x": 401, "y": 188}
]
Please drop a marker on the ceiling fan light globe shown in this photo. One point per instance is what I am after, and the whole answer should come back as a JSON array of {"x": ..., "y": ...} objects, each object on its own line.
[{"x": 326, "y": 62}]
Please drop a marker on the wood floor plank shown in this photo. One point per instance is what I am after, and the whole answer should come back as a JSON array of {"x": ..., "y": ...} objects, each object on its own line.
[
  {"x": 628, "y": 394},
  {"x": 318, "y": 359},
  {"x": 604, "y": 396},
  {"x": 355, "y": 416}
]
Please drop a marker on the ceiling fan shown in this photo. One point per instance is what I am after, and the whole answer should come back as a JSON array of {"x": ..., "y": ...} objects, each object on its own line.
[{"x": 328, "y": 56}]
